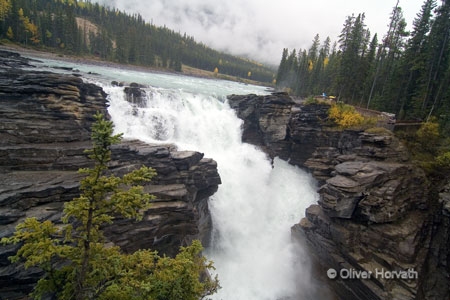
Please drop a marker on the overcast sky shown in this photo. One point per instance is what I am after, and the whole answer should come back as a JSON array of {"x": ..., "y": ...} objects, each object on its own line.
[{"x": 261, "y": 29}]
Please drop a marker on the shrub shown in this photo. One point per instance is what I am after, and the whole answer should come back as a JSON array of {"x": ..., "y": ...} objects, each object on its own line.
[
  {"x": 443, "y": 160},
  {"x": 428, "y": 136},
  {"x": 311, "y": 100},
  {"x": 345, "y": 116},
  {"x": 380, "y": 131},
  {"x": 77, "y": 262}
]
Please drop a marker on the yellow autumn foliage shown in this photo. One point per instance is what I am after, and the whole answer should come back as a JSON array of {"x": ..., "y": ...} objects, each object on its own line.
[
  {"x": 9, "y": 33},
  {"x": 310, "y": 65},
  {"x": 345, "y": 116},
  {"x": 443, "y": 160},
  {"x": 5, "y": 8},
  {"x": 428, "y": 135},
  {"x": 29, "y": 27}
]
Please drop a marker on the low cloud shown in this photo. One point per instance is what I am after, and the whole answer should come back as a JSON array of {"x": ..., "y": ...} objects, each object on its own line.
[{"x": 260, "y": 30}]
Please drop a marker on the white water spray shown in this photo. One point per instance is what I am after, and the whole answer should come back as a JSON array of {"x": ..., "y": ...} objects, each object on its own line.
[{"x": 257, "y": 202}]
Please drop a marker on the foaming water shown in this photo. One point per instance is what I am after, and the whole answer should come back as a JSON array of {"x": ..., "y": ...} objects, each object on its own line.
[
  {"x": 256, "y": 204},
  {"x": 258, "y": 201},
  {"x": 252, "y": 215}
]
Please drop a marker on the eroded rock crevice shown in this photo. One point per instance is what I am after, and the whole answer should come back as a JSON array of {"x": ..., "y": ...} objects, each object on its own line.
[{"x": 377, "y": 210}]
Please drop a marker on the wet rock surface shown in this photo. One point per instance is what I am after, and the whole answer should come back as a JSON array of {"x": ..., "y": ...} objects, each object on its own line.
[
  {"x": 45, "y": 122},
  {"x": 266, "y": 120},
  {"x": 376, "y": 210}
]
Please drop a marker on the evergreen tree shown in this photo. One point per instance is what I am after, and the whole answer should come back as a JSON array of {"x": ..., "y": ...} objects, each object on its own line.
[
  {"x": 323, "y": 81},
  {"x": 395, "y": 43},
  {"x": 286, "y": 72},
  {"x": 413, "y": 63},
  {"x": 353, "y": 41},
  {"x": 382, "y": 69},
  {"x": 77, "y": 262},
  {"x": 438, "y": 60},
  {"x": 370, "y": 68},
  {"x": 302, "y": 74},
  {"x": 313, "y": 52},
  {"x": 408, "y": 77},
  {"x": 315, "y": 66}
]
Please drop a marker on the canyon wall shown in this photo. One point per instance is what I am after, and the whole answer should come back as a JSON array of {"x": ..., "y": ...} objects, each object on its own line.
[
  {"x": 378, "y": 213},
  {"x": 45, "y": 122},
  {"x": 377, "y": 210}
]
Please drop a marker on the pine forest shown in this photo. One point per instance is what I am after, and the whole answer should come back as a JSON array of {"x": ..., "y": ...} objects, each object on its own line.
[
  {"x": 405, "y": 73},
  {"x": 86, "y": 28}
]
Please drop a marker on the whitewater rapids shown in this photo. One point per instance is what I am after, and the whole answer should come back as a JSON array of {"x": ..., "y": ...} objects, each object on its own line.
[{"x": 258, "y": 201}]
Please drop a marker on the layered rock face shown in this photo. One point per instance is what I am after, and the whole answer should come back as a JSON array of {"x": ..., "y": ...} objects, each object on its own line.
[
  {"x": 45, "y": 122},
  {"x": 376, "y": 213},
  {"x": 437, "y": 266},
  {"x": 371, "y": 216},
  {"x": 266, "y": 119}
]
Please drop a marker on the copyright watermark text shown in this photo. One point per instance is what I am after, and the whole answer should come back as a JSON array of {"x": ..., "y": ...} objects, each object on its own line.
[{"x": 382, "y": 273}]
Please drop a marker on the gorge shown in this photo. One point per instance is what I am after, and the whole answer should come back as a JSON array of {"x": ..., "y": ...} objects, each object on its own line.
[
  {"x": 251, "y": 211},
  {"x": 45, "y": 128},
  {"x": 376, "y": 209}
]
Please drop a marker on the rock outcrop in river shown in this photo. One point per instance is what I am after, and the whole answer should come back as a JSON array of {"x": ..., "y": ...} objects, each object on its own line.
[
  {"x": 377, "y": 211},
  {"x": 45, "y": 121}
]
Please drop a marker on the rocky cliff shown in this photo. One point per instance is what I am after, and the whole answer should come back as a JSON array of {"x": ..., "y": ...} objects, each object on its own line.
[
  {"x": 377, "y": 211},
  {"x": 45, "y": 121}
]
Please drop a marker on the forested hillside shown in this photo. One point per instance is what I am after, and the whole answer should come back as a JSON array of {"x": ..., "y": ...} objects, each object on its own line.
[
  {"x": 403, "y": 73},
  {"x": 85, "y": 28}
]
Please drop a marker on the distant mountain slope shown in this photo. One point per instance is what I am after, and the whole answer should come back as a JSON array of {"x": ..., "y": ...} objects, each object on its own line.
[{"x": 85, "y": 28}]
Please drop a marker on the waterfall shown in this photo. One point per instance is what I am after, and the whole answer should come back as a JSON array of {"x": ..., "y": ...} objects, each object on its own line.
[{"x": 258, "y": 201}]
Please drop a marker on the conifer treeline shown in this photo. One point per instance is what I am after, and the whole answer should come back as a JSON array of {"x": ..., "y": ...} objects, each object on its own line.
[
  {"x": 406, "y": 73},
  {"x": 82, "y": 27}
]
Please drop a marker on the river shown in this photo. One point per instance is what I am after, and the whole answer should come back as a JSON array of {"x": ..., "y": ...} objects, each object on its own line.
[{"x": 258, "y": 200}]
